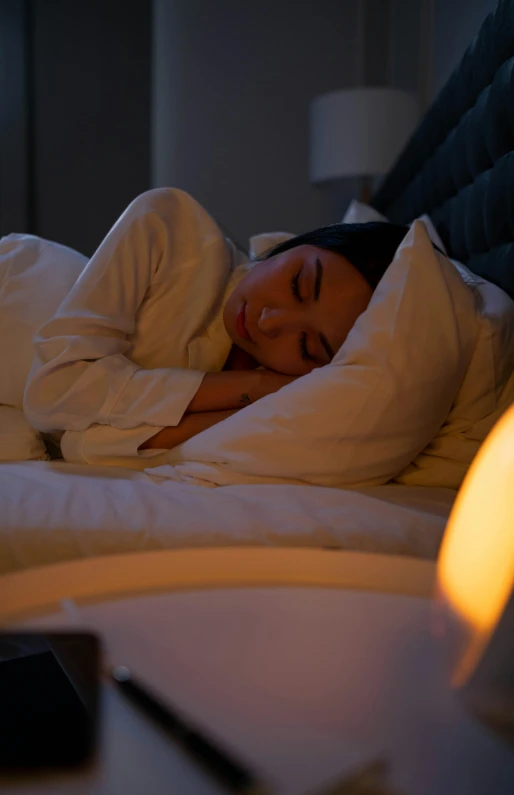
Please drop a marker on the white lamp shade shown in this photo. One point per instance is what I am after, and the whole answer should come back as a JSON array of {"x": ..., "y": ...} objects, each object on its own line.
[{"x": 359, "y": 132}]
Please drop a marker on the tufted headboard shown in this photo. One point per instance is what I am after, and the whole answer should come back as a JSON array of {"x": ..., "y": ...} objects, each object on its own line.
[{"x": 459, "y": 164}]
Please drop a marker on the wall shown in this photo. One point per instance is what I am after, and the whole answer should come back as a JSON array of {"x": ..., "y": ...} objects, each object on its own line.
[
  {"x": 231, "y": 92},
  {"x": 91, "y": 87},
  {"x": 408, "y": 42},
  {"x": 14, "y": 168},
  {"x": 232, "y": 84}
]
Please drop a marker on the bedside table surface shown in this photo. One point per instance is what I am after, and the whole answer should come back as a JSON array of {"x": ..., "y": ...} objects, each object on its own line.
[{"x": 304, "y": 684}]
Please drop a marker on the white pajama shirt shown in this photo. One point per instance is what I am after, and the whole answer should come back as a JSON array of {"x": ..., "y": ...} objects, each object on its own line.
[{"x": 128, "y": 347}]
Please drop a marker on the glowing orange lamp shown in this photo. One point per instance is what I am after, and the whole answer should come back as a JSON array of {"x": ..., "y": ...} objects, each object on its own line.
[{"x": 476, "y": 578}]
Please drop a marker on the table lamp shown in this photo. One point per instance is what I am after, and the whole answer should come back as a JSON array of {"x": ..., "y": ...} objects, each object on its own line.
[
  {"x": 359, "y": 132},
  {"x": 475, "y": 574}
]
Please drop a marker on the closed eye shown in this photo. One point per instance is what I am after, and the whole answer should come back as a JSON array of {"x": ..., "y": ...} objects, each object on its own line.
[
  {"x": 304, "y": 353},
  {"x": 295, "y": 286}
]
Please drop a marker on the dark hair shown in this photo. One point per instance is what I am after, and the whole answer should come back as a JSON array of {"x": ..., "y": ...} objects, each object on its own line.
[{"x": 369, "y": 247}]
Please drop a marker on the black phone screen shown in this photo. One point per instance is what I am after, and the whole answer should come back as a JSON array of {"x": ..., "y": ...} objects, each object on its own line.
[{"x": 49, "y": 691}]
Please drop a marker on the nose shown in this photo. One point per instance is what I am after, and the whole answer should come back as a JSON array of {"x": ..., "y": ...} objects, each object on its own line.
[{"x": 274, "y": 321}]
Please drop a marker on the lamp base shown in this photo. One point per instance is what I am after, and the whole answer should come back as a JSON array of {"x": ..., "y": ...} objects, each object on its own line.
[{"x": 489, "y": 691}]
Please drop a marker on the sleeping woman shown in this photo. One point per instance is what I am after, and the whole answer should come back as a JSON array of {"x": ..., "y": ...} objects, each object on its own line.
[{"x": 168, "y": 328}]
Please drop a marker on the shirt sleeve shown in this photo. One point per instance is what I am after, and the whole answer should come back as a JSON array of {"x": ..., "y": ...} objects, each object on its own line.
[
  {"x": 103, "y": 444},
  {"x": 81, "y": 375}
]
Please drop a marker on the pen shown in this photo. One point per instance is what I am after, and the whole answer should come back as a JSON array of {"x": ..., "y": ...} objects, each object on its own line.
[{"x": 228, "y": 772}]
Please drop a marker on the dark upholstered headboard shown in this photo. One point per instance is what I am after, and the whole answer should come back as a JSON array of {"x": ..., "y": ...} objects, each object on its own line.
[{"x": 459, "y": 165}]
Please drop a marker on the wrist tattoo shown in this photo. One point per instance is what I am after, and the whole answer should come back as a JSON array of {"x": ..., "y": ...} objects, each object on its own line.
[{"x": 245, "y": 398}]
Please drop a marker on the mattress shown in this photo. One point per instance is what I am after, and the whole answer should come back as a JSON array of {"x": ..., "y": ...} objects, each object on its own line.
[{"x": 53, "y": 512}]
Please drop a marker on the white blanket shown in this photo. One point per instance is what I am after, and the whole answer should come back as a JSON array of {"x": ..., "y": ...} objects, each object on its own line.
[{"x": 52, "y": 512}]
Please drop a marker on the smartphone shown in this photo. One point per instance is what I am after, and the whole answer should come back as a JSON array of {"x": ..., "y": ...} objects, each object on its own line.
[{"x": 49, "y": 699}]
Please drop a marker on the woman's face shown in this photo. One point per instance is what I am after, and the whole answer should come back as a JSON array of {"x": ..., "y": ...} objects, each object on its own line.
[{"x": 293, "y": 311}]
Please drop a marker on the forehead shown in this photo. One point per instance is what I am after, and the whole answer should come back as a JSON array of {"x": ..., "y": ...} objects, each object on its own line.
[{"x": 337, "y": 270}]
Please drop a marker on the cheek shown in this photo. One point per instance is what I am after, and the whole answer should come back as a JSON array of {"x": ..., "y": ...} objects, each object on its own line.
[
  {"x": 355, "y": 311},
  {"x": 283, "y": 357},
  {"x": 229, "y": 314},
  {"x": 266, "y": 283},
  {"x": 347, "y": 315}
]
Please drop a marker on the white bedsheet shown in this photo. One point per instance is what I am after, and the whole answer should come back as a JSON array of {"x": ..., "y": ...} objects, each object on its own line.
[{"x": 52, "y": 512}]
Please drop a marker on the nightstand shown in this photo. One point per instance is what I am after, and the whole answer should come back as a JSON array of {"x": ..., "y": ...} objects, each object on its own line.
[{"x": 306, "y": 664}]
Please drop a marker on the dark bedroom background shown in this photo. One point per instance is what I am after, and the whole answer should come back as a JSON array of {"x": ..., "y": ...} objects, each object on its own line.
[
  {"x": 75, "y": 82},
  {"x": 103, "y": 99}
]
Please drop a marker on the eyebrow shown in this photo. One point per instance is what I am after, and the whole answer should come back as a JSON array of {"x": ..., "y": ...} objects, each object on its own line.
[
  {"x": 327, "y": 346},
  {"x": 317, "y": 289},
  {"x": 319, "y": 279}
]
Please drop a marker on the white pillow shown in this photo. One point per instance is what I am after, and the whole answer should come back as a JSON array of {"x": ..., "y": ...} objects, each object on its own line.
[
  {"x": 260, "y": 244},
  {"x": 35, "y": 276},
  {"x": 486, "y": 392},
  {"x": 359, "y": 213},
  {"x": 488, "y": 388},
  {"x": 361, "y": 419}
]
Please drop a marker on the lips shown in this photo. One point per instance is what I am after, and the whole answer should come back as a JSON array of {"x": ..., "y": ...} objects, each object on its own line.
[{"x": 241, "y": 324}]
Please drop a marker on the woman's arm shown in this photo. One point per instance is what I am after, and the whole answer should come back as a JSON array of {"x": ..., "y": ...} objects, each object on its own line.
[
  {"x": 218, "y": 390},
  {"x": 189, "y": 426},
  {"x": 223, "y": 394},
  {"x": 81, "y": 374},
  {"x": 235, "y": 389}
]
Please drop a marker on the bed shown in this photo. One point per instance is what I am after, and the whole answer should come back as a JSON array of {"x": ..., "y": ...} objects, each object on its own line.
[{"x": 459, "y": 168}]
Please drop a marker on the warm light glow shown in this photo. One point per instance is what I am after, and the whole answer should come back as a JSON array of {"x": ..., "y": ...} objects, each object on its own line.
[{"x": 476, "y": 562}]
